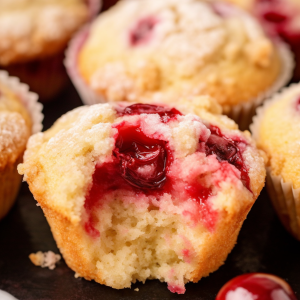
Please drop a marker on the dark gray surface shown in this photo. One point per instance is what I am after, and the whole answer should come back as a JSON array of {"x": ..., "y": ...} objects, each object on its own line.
[{"x": 263, "y": 246}]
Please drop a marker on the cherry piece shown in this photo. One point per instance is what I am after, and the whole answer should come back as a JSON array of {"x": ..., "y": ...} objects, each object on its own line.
[
  {"x": 165, "y": 113},
  {"x": 274, "y": 16},
  {"x": 228, "y": 150},
  {"x": 140, "y": 165},
  {"x": 142, "y": 160},
  {"x": 298, "y": 104},
  {"x": 142, "y": 31},
  {"x": 256, "y": 286}
]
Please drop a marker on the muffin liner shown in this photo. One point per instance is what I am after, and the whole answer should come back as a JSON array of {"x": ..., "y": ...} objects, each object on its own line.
[
  {"x": 47, "y": 76},
  {"x": 10, "y": 180},
  {"x": 285, "y": 199},
  {"x": 241, "y": 113},
  {"x": 87, "y": 95},
  {"x": 94, "y": 7}
]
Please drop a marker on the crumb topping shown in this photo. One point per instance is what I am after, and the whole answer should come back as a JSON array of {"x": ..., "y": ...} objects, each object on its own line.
[
  {"x": 85, "y": 137},
  {"x": 32, "y": 29},
  {"x": 13, "y": 137},
  {"x": 197, "y": 35}
]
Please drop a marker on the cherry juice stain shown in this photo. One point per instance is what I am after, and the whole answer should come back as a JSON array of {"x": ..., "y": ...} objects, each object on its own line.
[
  {"x": 228, "y": 150},
  {"x": 141, "y": 164},
  {"x": 142, "y": 32},
  {"x": 166, "y": 114}
]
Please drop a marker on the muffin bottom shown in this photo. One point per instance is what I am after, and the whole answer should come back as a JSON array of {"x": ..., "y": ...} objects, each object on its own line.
[
  {"x": 173, "y": 259},
  {"x": 46, "y": 77},
  {"x": 10, "y": 182}
]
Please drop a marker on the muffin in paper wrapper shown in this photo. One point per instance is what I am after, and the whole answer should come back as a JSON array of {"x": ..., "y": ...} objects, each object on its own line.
[
  {"x": 285, "y": 198},
  {"x": 242, "y": 113},
  {"x": 47, "y": 76},
  {"x": 286, "y": 201},
  {"x": 10, "y": 180}
]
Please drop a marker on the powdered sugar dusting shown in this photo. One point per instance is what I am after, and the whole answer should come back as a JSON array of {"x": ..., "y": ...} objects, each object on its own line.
[
  {"x": 27, "y": 27},
  {"x": 13, "y": 137},
  {"x": 189, "y": 32}
]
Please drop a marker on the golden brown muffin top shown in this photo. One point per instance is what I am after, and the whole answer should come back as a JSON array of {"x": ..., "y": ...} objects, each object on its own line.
[
  {"x": 277, "y": 131},
  {"x": 84, "y": 137},
  {"x": 143, "y": 51},
  {"x": 34, "y": 29}
]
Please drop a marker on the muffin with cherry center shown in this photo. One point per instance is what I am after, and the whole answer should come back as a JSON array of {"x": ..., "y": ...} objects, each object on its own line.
[
  {"x": 143, "y": 191},
  {"x": 157, "y": 51},
  {"x": 276, "y": 128},
  {"x": 281, "y": 18}
]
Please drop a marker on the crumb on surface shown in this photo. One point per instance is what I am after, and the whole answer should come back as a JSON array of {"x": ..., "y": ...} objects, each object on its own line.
[
  {"x": 45, "y": 259},
  {"x": 136, "y": 290}
]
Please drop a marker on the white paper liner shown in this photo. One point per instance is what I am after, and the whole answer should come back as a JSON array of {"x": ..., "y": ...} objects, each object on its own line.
[
  {"x": 242, "y": 113},
  {"x": 87, "y": 95},
  {"x": 285, "y": 199},
  {"x": 94, "y": 8},
  {"x": 29, "y": 99}
]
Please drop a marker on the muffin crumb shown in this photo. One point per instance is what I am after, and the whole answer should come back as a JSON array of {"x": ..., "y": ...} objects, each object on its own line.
[{"x": 45, "y": 259}]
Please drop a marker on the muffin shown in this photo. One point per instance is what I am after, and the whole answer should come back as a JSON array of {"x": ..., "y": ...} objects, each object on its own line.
[
  {"x": 33, "y": 36},
  {"x": 143, "y": 191},
  {"x": 279, "y": 17},
  {"x": 276, "y": 129},
  {"x": 19, "y": 117},
  {"x": 158, "y": 51}
]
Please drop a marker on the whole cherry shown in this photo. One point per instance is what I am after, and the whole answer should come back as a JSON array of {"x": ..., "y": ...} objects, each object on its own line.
[{"x": 256, "y": 286}]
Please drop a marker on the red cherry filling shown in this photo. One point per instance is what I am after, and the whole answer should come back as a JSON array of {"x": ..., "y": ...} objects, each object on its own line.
[
  {"x": 142, "y": 31},
  {"x": 166, "y": 114},
  {"x": 227, "y": 150},
  {"x": 142, "y": 160},
  {"x": 256, "y": 286},
  {"x": 140, "y": 164},
  {"x": 298, "y": 104}
]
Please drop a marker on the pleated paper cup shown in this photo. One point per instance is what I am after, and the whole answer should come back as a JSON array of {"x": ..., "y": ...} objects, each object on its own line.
[
  {"x": 47, "y": 76},
  {"x": 10, "y": 180}
]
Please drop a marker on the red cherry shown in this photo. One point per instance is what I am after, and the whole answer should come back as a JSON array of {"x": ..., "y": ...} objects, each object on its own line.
[
  {"x": 142, "y": 160},
  {"x": 298, "y": 105},
  {"x": 256, "y": 286},
  {"x": 142, "y": 31},
  {"x": 165, "y": 113},
  {"x": 227, "y": 150},
  {"x": 274, "y": 16}
]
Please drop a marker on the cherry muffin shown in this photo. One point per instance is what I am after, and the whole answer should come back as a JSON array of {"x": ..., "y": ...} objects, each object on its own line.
[
  {"x": 276, "y": 129},
  {"x": 19, "y": 117},
  {"x": 155, "y": 51},
  {"x": 33, "y": 36},
  {"x": 279, "y": 17},
  {"x": 143, "y": 191}
]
